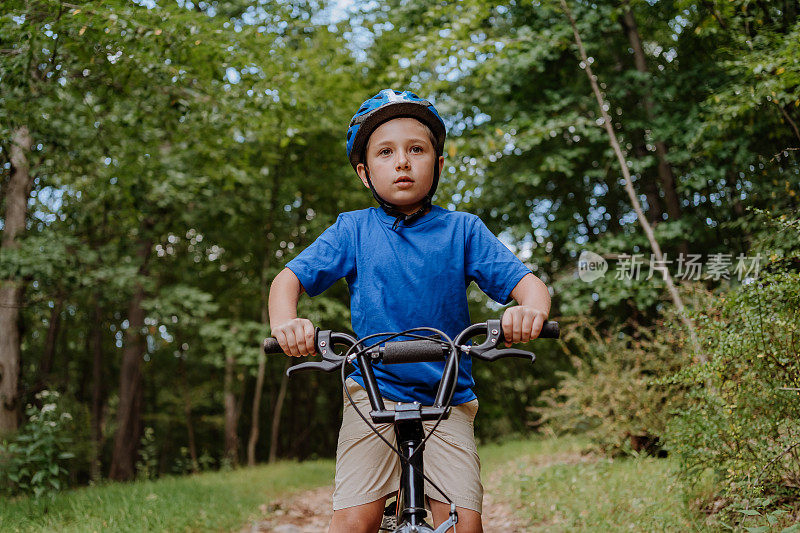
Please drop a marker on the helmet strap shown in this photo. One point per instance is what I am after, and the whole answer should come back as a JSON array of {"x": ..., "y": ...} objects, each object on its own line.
[{"x": 392, "y": 209}]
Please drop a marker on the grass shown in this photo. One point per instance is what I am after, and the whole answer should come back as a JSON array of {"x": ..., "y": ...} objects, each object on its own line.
[
  {"x": 216, "y": 501},
  {"x": 550, "y": 483},
  {"x": 555, "y": 487}
]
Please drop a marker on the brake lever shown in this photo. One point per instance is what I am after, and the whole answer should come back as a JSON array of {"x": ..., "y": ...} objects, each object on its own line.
[
  {"x": 495, "y": 354},
  {"x": 331, "y": 361},
  {"x": 325, "y": 366},
  {"x": 489, "y": 351}
]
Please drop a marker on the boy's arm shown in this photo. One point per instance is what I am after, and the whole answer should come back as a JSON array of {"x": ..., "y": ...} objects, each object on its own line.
[
  {"x": 295, "y": 335},
  {"x": 523, "y": 322}
]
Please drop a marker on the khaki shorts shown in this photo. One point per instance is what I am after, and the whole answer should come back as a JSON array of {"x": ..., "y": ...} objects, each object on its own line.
[{"x": 367, "y": 470}]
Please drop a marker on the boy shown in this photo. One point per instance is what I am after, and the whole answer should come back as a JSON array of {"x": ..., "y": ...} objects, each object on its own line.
[{"x": 407, "y": 264}]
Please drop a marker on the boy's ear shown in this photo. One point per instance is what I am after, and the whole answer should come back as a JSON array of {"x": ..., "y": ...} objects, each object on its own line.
[
  {"x": 441, "y": 164},
  {"x": 361, "y": 169}
]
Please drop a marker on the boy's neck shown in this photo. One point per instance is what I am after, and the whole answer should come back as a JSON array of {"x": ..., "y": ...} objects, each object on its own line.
[{"x": 407, "y": 210}]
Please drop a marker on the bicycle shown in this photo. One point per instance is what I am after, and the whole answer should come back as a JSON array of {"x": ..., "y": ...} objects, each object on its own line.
[{"x": 407, "y": 418}]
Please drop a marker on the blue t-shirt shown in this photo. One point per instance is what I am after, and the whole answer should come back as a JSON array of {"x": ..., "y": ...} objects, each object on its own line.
[{"x": 412, "y": 276}]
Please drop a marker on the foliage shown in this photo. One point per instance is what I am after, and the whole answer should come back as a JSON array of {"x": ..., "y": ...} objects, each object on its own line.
[
  {"x": 530, "y": 155},
  {"x": 742, "y": 421},
  {"x": 178, "y": 148},
  {"x": 184, "y": 464},
  {"x": 34, "y": 460},
  {"x": 612, "y": 396},
  {"x": 191, "y": 149},
  {"x": 147, "y": 465}
]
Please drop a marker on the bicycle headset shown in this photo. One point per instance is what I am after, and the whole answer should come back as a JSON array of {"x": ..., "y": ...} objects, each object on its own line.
[{"x": 384, "y": 106}]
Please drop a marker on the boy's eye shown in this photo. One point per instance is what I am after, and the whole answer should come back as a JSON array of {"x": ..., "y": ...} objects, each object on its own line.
[
  {"x": 416, "y": 149},
  {"x": 384, "y": 151}
]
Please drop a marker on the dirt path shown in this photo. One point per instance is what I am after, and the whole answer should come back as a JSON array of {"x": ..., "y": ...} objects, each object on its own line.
[
  {"x": 310, "y": 512},
  {"x": 303, "y": 512}
]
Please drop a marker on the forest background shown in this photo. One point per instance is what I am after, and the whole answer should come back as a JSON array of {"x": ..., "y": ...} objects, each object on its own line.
[{"x": 161, "y": 161}]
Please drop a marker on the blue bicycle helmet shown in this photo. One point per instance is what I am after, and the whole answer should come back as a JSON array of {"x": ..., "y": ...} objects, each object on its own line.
[{"x": 386, "y": 105}]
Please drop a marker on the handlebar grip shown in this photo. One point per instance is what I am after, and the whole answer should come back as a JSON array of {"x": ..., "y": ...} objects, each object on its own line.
[
  {"x": 550, "y": 330},
  {"x": 271, "y": 346},
  {"x": 414, "y": 351}
]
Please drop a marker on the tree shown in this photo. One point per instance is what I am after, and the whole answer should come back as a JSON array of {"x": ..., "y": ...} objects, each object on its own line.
[{"x": 16, "y": 200}]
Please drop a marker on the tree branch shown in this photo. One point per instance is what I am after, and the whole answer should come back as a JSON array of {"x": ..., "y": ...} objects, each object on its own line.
[
  {"x": 788, "y": 118},
  {"x": 772, "y": 461}
]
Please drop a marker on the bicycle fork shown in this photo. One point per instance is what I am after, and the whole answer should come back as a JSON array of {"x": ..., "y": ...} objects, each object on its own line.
[{"x": 409, "y": 432}]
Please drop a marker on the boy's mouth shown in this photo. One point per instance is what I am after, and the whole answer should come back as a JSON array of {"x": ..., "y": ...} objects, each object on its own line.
[{"x": 404, "y": 179}]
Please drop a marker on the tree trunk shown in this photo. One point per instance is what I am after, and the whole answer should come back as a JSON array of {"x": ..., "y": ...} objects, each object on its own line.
[
  {"x": 254, "y": 428},
  {"x": 262, "y": 370},
  {"x": 48, "y": 357},
  {"x": 18, "y": 190},
  {"x": 98, "y": 391},
  {"x": 129, "y": 424},
  {"x": 231, "y": 437},
  {"x": 10, "y": 298},
  {"x": 262, "y": 360},
  {"x": 665, "y": 173},
  {"x": 5, "y": 175},
  {"x": 187, "y": 412},
  {"x": 276, "y": 415},
  {"x": 650, "y": 188},
  {"x": 734, "y": 198},
  {"x": 735, "y": 201}
]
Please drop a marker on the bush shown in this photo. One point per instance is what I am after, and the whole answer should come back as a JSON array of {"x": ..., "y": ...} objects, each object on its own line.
[
  {"x": 32, "y": 461},
  {"x": 742, "y": 423},
  {"x": 147, "y": 465},
  {"x": 611, "y": 396}
]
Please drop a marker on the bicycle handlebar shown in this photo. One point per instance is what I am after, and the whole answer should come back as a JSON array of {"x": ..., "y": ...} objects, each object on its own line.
[{"x": 412, "y": 351}]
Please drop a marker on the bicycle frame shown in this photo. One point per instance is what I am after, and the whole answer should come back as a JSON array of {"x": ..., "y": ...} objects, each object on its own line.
[{"x": 407, "y": 420}]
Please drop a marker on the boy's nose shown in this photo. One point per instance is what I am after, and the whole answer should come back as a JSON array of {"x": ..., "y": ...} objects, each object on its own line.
[{"x": 402, "y": 160}]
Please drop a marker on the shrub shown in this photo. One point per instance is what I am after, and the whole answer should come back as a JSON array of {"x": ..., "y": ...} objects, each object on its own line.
[
  {"x": 611, "y": 396},
  {"x": 743, "y": 421},
  {"x": 147, "y": 465},
  {"x": 32, "y": 460}
]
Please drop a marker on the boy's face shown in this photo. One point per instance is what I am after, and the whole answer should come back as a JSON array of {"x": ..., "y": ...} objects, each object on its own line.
[{"x": 401, "y": 160}]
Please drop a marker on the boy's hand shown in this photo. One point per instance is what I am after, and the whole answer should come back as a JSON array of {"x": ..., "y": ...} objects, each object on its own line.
[
  {"x": 522, "y": 323},
  {"x": 296, "y": 337}
]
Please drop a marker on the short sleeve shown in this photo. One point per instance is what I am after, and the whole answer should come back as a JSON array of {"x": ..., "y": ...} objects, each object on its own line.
[
  {"x": 491, "y": 264},
  {"x": 328, "y": 259}
]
